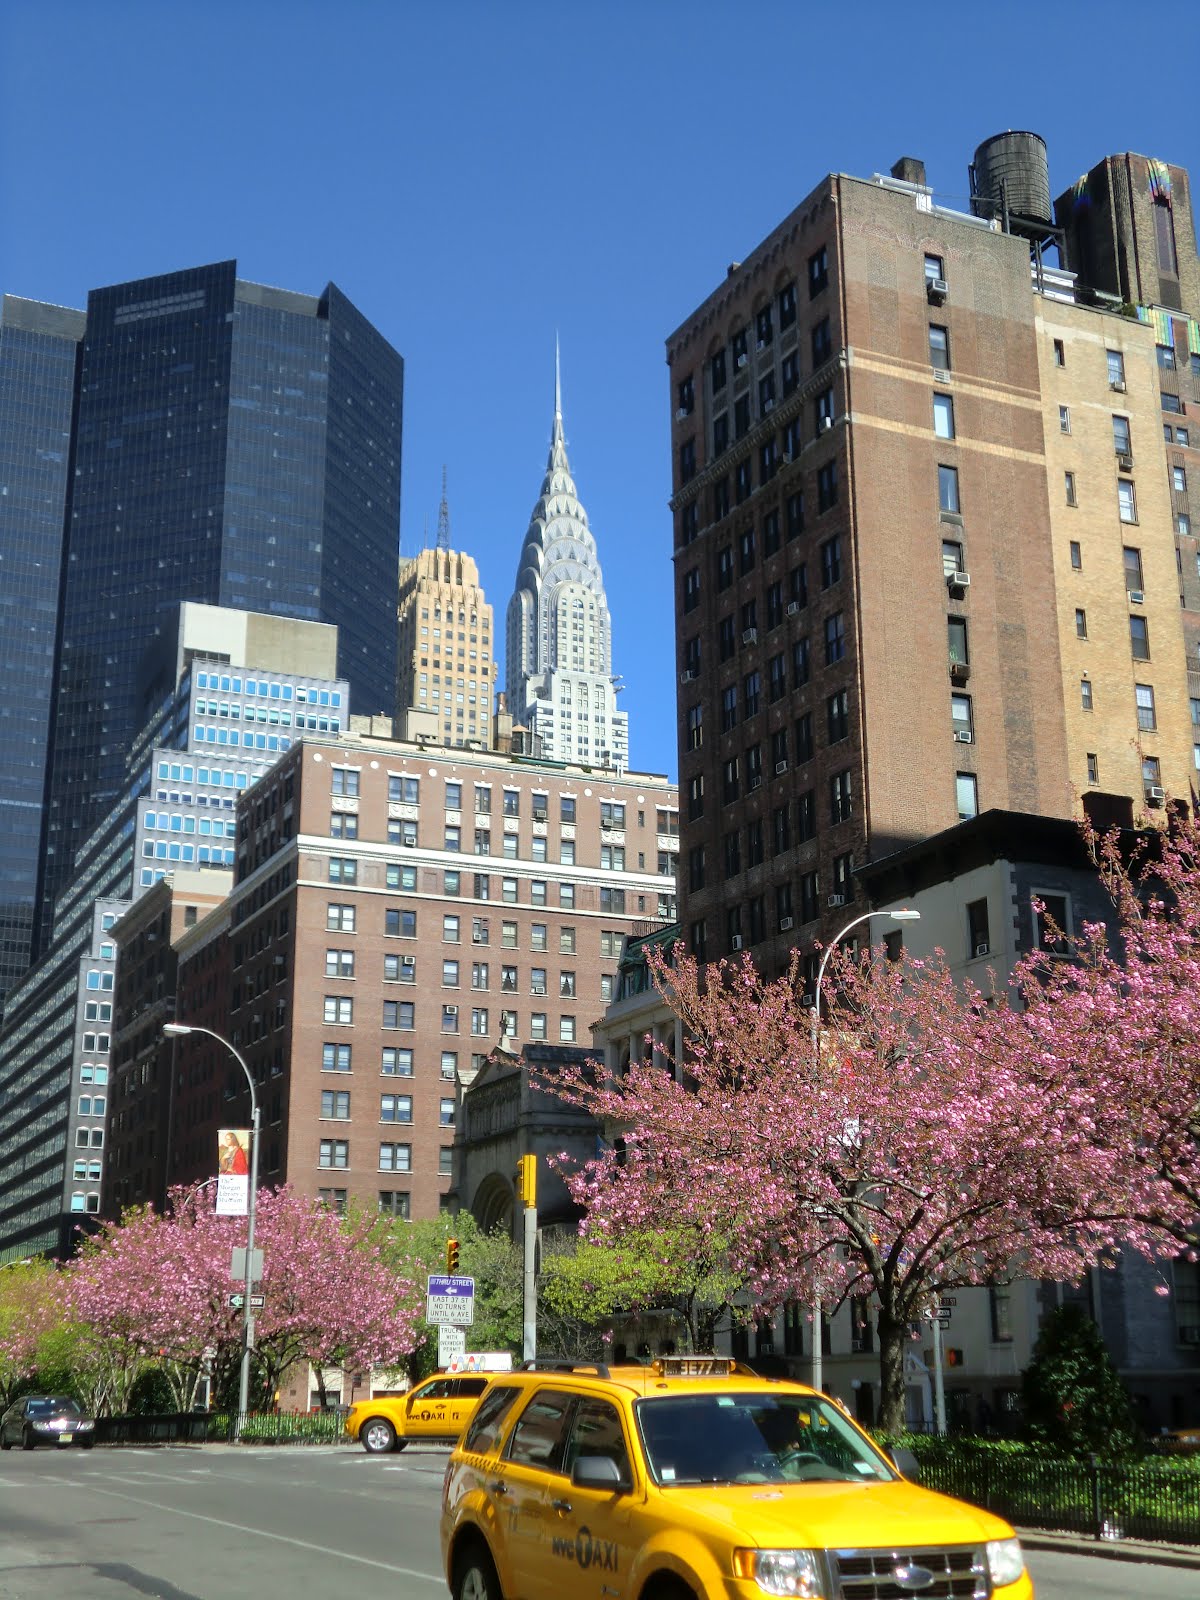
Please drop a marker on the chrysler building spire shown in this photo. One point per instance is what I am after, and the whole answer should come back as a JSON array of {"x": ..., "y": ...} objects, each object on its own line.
[{"x": 559, "y": 638}]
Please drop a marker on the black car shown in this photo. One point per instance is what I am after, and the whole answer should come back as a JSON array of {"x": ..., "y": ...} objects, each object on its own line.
[{"x": 45, "y": 1419}]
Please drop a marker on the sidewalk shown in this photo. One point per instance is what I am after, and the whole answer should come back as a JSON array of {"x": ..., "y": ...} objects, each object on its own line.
[{"x": 1164, "y": 1555}]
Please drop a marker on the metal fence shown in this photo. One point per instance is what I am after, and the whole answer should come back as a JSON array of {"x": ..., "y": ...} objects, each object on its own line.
[
  {"x": 1099, "y": 1501},
  {"x": 221, "y": 1427}
]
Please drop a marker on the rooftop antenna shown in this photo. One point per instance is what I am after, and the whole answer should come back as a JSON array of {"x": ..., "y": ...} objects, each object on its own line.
[
  {"x": 557, "y": 379},
  {"x": 443, "y": 533}
]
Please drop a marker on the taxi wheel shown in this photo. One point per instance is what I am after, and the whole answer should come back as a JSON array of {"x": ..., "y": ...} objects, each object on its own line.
[
  {"x": 378, "y": 1436},
  {"x": 668, "y": 1589},
  {"x": 475, "y": 1576}
]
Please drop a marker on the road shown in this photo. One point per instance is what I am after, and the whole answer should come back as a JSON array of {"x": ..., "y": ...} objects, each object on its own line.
[{"x": 213, "y": 1523}]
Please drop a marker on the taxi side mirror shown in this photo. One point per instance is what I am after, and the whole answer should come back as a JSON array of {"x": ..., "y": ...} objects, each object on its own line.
[
  {"x": 906, "y": 1464},
  {"x": 599, "y": 1472}
]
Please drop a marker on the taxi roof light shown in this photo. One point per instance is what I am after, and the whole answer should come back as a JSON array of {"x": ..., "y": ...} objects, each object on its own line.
[{"x": 695, "y": 1367}]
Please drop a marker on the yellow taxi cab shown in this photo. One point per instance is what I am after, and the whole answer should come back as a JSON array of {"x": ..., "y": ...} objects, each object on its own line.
[
  {"x": 439, "y": 1408},
  {"x": 693, "y": 1479}
]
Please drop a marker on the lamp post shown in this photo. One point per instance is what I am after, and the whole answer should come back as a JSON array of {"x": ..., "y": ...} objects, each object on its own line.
[
  {"x": 904, "y": 915},
  {"x": 180, "y": 1030}
]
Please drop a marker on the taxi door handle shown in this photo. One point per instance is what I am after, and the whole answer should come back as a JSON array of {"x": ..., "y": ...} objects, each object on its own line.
[
  {"x": 560, "y": 1505},
  {"x": 499, "y": 1487}
]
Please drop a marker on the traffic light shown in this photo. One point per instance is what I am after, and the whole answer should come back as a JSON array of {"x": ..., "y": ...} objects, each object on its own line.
[
  {"x": 526, "y": 1181},
  {"x": 451, "y": 1255}
]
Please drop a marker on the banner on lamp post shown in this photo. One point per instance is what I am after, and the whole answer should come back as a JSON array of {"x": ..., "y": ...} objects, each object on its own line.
[{"x": 233, "y": 1172}]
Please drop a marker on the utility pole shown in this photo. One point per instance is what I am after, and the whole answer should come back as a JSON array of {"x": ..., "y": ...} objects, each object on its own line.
[{"x": 526, "y": 1187}]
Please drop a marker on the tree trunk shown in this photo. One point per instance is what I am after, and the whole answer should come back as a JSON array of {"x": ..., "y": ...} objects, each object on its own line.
[
  {"x": 322, "y": 1393},
  {"x": 893, "y": 1335}
]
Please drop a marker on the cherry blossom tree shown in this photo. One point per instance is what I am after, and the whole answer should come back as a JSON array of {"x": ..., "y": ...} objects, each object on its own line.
[
  {"x": 926, "y": 1144},
  {"x": 157, "y": 1286}
]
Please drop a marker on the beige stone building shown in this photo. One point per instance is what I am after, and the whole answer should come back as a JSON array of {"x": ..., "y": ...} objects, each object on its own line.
[{"x": 445, "y": 665}]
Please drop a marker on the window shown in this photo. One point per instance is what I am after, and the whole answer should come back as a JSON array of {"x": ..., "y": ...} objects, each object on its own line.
[
  {"x": 566, "y": 1030},
  {"x": 1147, "y": 721},
  {"x": 787, "y": 306},
  {"x": 1183, "y": 525},
  {"x": 1139, "y": 638},
  {"x": 338, "y": 1008},
  {"x": 1165, "y": 354},
  {"x": 729, "y": 781},
  {"x": 450, "y": 929},
  {"x": 724, "y": 567},
  {"x": 716, "y": 372},
  {"x": 1069, "y": 488},
  {"x": 804, "y": 738},
  {"x": 479, "y": 1021},
  {"x": 943, "y": 416},
  {"x": 818, "y": 272},
  {"x": 395, "y": 1203},
  {"x": 1085, "y": 694},
  {"x": 961, "y": 719},
  {"x": 339, "y": 963},
  {"x": 449, "y": 1065},
  {"x": 446, "y": 1112},
  {"x": 827, "y": 486},
  {"x": 795, "y": 515},
  {"x": 934, "y": 269},
  {"x": 1064, "y": 419},
  {"x": 1080, "y": 623},
  {"x": 696, "y": 867},
  {"x": 726, "y": 640},
  {"x": 339, "y": 919},
  {"x": 979, "y": 939},
  {"x": 798, "y": 586},
  {"x": 838, "y": 715},
  {"x": 841, "y": 806},
  {"x": 948, "y": 490},
  {"x": 1122, "y": 438},
  {"x": 333, "y": 1153},
  {"x": 1116, "y": 367},
  {"x": 1093, "y": 768},
  {"x": 746, "y": 551},
  {"x": 398, "y": 1014},
  {"x": 752, "y": 693},
  {"x": 395, "y": 1108},
  {"x": 1052, "y": 928},
  {"x": 1076, "y": 556},
  {"x": 449, "y": 974},
  {"x": 1126, "y": 504},
  {"x": 343, "y": 826},
  {"x": 777, "y": 677},
  {"x": 800, "y": 662},
  {"x": 1132, "y": 559},
  {"x": 335, "y": 1058},
  {"x": 835, "y": 638},
  {"x": 939, "y": 347},
  {"x": 343, "y": 869},
  {"x": 344, "y": 781},
  {"x": 401, "y": 922},
  {"x": 966, "y": 791},
  {"x": 1060, "y": 354},
  {"x": 396, "y": 1063},
  {"x": 822, "y": 343},
  {"x": 1179, "y": 480},
  {"x": 831, "y": 561},
  {"x": 691, "y": 589},
  {"x": 395, "y": 1158}
]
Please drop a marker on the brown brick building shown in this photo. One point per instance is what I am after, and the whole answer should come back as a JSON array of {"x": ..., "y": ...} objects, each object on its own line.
[
  {"x": 874, "y": 633},
  {"x": 398, "y": 912}
]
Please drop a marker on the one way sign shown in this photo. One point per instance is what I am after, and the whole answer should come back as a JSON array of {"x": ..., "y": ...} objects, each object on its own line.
[{"x": 450, "y": 1300}]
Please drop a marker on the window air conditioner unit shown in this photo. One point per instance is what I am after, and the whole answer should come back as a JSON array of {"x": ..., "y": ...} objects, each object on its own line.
[
  {"x": 741, "y": 361},
  {"x": 409, "y": 844},
  {"x": 408, "y": 961},
  {"x": 540, "y": 816},
  {"x": 983, "y": 949},
  {"x": 793, "y": 607},
  {"x": 769, "y": 406},
  {"x": 682, "y": 413},
  {"x": 1136, "y": 597},
  {"x": 780, "y": 766},
  {"x": 750, "y": 636},
  {"x": 1117, "y": 385},
  {"x": 958, "y": 580},
  {"x": 1124, "y": 460},
  {"x": 963, "y": 736},
  {"x": 451, "y": 1011},
  {"x": 940, "y": 375},
  {"x": 836, "y": 900},
  {"x": 606, "y": 824},
  {"x": 936, "y": 289},
  {"x": 761, "y": 345},
  {"x": 686, "y": 677},
  {"x": 784, "y": 924},
  {"x": 1155, "y": 795},
  {"x": 477, "y": 938},
  {"x": 959, "y": 671},
  {"x": 826, "y": 424},
  {"x": 736, "y": 942},
  {"x": 754, "y": 783}
]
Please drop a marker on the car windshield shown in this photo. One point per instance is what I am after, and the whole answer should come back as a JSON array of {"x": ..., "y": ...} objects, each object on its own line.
[
  {"x": 753, "y": 1438},
  {"x": 53, "y": 1406}
]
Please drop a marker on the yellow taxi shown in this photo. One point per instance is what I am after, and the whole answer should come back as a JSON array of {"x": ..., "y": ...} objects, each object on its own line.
[
  {"x": 439, "y": 1408},
  {"x": 694, "y": 1479}
]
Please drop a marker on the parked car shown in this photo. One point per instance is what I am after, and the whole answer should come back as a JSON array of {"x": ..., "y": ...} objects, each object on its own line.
[
  {"x": 46, "y": 1419},
  {"x": 439, "y": 1409}
]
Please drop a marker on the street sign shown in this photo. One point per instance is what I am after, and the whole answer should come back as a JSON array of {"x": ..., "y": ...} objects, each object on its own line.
[
  {"x": 257, "y": 1301},
  {"x": 450, "y": 1300},
  {"x": 237, "y": 1265},
  {"x": 941, "y": 1316},
  {"x": 452, "y": 1343}
]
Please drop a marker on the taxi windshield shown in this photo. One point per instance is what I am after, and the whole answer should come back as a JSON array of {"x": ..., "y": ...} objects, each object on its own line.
[{"x": 753, "y": 1438}]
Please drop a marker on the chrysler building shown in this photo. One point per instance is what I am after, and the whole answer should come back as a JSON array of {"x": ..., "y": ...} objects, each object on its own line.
[{"x": 559, "y": 677}]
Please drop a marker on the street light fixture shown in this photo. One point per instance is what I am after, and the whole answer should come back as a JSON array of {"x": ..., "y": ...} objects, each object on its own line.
[
  {"x": 904, "y": 915},
  {"x": 180, "y": 1030}
]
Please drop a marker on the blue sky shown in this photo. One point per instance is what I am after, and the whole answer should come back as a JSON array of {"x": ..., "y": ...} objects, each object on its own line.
[{"x": 478, "y": 176}]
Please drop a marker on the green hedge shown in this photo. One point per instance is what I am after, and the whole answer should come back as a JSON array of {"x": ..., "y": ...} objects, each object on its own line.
[{"x": 284, "y": 1427}]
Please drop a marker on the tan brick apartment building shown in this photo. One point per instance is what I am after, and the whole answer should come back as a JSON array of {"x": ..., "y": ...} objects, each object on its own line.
[
  {"x": 873, "y": 630},
  {"x": 445, "y": 666},
  {"x": 398, "y": 912}
]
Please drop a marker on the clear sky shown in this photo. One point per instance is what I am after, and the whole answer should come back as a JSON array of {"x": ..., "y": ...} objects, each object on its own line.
[{"x": 477, "y": 176}]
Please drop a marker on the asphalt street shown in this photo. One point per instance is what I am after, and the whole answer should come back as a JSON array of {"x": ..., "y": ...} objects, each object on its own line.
[{"x": 212, "y": 1523}]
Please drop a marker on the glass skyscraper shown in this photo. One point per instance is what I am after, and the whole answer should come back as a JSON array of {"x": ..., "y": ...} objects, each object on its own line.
[
  {"x": 39, "y": 347},
  {"x": 233, "y": 444}
]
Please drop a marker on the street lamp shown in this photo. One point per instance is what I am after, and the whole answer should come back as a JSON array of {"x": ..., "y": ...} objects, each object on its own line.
[
  {"x": 904, "y": 915},
  {"x": 180, "y": 1030}
]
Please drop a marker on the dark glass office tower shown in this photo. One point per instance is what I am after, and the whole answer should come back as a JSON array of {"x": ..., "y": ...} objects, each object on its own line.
[
  {"x": 234, "y": 444},
  {"x": 39, "y": 347}
]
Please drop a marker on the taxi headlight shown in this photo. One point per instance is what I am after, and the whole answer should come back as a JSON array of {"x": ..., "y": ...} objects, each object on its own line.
[
  {"x": 786, "y": 1572},
  {"x": 1005, "y": 1561}
]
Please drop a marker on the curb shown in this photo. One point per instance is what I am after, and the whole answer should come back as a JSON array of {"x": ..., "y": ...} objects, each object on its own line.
[{"x": 1163, "y": 1555}]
